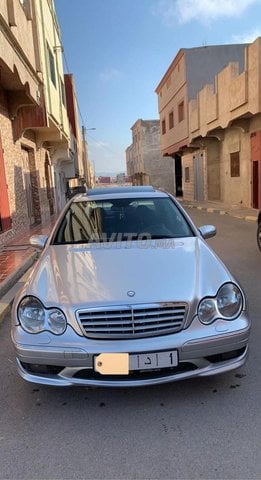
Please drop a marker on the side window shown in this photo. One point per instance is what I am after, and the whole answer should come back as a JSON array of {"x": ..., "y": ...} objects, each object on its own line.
[
  {"x": 51, "y": 65},
  {"x": 234, "y": 164},
  {"x": 181, "y": 111}
]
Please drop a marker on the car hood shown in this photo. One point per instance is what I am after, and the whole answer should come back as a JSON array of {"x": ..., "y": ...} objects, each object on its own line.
[{"x": 73, "y": 275}]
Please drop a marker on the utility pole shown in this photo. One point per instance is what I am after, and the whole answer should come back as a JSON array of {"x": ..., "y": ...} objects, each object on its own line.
[{"x": 86, "y": 163}]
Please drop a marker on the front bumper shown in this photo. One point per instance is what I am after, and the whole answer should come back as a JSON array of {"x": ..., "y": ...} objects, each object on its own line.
[{"x": 68, "y": 359}]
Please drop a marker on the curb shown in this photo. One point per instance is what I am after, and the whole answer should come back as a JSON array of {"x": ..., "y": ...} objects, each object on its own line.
[
  {"x": 11, "y": 285},
  {"x": 248, "y": 218}
]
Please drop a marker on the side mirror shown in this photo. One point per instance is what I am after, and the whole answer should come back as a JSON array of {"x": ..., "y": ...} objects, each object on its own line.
[
  {"x": 208, "y": 231},
  {"x": 38, "y": 241}
]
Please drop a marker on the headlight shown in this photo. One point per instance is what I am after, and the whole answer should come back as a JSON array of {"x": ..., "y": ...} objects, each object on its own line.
[
  {"x": 56, "y": 321},
  {"x": 227, "y": 304},
  {"x": 35, "y": 318},
  {"x": 31, "y": 315},
  {"x": 207, "y": 310},
  {"x": 229, "y": 301}
]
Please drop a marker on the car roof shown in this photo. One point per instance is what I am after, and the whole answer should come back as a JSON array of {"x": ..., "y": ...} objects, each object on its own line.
[{"x": 120, "y": 192}]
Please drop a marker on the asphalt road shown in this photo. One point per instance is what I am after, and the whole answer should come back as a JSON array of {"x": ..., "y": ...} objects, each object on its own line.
[{"x": 198, "y": 429}]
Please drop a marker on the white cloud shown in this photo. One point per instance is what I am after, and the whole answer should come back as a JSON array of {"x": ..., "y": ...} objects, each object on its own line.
[
  {"x": 110, "y": 74},
  {"x": 205, "y": 11},
  {"x": 247, "y": 37}
]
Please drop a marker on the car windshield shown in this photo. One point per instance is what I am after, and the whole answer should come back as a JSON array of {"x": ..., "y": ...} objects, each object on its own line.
[{"x": 116, "y": 220}]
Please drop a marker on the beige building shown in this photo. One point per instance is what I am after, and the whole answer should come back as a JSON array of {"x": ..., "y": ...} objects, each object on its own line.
[
  {"x": 57, "y": 135},
  {"x": 190, "y": 70},
  {"x": 26, "y": 188},
  {"x": 34, "y": 127},
  {"x": 225, "y": 124},
  {"x": 144, "y": 161}
]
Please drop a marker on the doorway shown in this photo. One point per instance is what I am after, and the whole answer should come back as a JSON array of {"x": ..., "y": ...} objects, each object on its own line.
[
  {"x": 27, "y": 180},
  {"x": 178, "y": 176},
  {"x": 198, "y": 177},
  {"x": 31, "y": 186},
  {"x": 255, "y": 184},
  {"x": 48, "y": 180}
]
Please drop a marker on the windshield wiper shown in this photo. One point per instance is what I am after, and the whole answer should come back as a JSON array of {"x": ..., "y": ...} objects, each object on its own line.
[{"x": 157, "y": 237}]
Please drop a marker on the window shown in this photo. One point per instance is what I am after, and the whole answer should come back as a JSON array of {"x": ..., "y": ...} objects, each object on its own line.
[
  {"x": 171, "y": 120},
  {"x": 234, "y": 164},
  {"x": 187, "y": 179},
  {"x": 51, "y": 65},
  {"x": 181, "y": 111},
  {"x": 163, "y": 127},
  {"x": 62, "y": 92}
]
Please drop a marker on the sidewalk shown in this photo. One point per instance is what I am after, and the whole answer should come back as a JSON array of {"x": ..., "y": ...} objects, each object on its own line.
[
  {"x": 248, "y": 214},
  {"x": 16, "y": 257}
]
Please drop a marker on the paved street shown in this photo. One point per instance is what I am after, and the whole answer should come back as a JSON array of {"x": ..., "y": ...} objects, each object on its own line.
[{"x": 198, "y": 429}]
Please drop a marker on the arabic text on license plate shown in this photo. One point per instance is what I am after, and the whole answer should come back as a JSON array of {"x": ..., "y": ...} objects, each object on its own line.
[{"x": 152, "y": 360}]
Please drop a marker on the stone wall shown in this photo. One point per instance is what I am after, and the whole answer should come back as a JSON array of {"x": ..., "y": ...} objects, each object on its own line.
[{"x": 12, "y": 152}]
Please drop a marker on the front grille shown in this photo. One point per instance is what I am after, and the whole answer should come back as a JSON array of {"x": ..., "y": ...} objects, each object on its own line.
[{"x": 132, "y": 321}]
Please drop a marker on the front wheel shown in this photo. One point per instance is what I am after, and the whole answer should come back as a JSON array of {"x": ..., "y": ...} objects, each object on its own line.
[{"x": 259, "y": 236}]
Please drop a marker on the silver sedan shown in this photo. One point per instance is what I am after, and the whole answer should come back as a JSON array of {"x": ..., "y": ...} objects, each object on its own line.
[{"x": 127, "y": 293}]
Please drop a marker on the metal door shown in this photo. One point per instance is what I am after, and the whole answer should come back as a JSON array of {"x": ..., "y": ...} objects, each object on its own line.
[{"x": 198, "y": 177}]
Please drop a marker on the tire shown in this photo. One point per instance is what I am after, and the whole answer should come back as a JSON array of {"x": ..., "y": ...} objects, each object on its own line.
[{"x": 258, "y": 236}]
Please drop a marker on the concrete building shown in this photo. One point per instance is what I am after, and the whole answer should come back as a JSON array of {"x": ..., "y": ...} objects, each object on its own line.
[
  {"x": 121, "y": 178},
  {"x": 104, "y": 179},
  {"x": 144, "y": 160},
  {"x": 225, "y": 124},
  {"x": 35, "y": 146},
  {"x": 190, "y": 70},
  {"x": 74, "y": 171},
  {"x": 26, "y": 184},
  {"x": 129, "y": 154},
  {"x": 56, "y": 138},
  {"x": 88, "y": 169}
]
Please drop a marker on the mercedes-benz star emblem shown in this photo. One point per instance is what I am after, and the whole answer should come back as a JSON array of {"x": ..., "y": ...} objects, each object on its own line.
[{"x": 130, "y": 293}]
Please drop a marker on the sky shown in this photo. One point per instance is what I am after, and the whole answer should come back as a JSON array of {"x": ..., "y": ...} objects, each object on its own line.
[{"x": 118, "y": 51}]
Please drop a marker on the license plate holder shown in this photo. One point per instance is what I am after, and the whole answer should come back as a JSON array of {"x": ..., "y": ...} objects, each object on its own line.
[{"x": 123, "y": 363}]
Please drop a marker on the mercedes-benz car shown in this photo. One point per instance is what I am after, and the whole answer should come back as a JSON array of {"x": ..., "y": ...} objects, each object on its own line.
[{"x": 127, "y": 292}]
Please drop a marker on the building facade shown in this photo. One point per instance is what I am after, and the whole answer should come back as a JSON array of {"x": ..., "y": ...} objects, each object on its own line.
[
  {"x": 225, "y": 123},
  {"x": 190, "y": 70},
  {"x": 26, "y": 189},
  {"x": 34, "y": 127},
  {"x": 129, "y": 155},
  {"x": 57, "y": 136},
  {"x": 75, "y": 170},
  {"x": 144, "y": 161}
]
